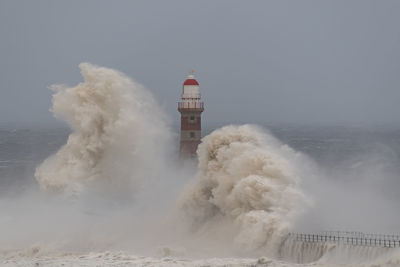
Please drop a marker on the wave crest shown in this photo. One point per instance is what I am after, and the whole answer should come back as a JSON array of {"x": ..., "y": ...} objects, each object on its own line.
[
  {"x": 244, "y": 179},
  {"x": 118, "y": 133}
]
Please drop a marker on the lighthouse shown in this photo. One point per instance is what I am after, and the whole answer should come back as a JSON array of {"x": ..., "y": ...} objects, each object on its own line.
[{"x": 190, "y": 108}]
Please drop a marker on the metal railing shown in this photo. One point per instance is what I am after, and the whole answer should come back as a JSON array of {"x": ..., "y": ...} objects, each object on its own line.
[
  {"x": 191, "y": 105},
  {"x": 361, "y": 235},
  {"x": 349, "y": 238}
]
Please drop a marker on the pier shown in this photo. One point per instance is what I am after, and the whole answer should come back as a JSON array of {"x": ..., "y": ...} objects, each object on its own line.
[{"x": 348, "y": 238}]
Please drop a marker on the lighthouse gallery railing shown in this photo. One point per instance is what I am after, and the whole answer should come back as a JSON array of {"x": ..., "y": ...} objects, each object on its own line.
[{"x": 190, "y": 105}]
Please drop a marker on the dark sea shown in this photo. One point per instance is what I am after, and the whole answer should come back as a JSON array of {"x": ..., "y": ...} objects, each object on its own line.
[
  {"x": 21, "y": 151},
  {"x": 351, "y": 150},
  {"x": 358, "y": 191}
]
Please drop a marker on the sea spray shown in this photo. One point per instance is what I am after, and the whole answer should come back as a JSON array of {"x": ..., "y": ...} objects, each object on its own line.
[
  {"x": 245, "y": 187},
  {"x": 118, "y": 134},
  {"x": 333, "y": 253},
  {"x": 247, "y": 190}
]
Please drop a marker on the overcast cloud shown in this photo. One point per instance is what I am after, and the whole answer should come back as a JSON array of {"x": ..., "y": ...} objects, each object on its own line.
[{"x": 331, "y": 62}]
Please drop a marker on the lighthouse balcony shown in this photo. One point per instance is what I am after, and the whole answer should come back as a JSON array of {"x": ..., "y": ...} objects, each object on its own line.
[{"x": 192, "y": 105}]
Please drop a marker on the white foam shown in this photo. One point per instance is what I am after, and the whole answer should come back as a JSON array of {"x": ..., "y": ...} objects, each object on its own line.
[
  {"x": 245, "y": 187},
  {"x": 119, "y": 133}
]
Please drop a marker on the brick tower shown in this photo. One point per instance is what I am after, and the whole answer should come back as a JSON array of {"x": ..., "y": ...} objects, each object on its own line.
[{"x": 190, "y": 108}]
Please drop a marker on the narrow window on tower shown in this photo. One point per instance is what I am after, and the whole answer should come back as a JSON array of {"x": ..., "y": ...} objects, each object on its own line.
[
  {"x": 191, "y": 119},
  {"x": 191, "y": 134}
]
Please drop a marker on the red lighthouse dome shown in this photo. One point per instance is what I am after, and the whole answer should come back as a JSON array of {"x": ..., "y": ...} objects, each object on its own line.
[{"x": 190, "y": 81}]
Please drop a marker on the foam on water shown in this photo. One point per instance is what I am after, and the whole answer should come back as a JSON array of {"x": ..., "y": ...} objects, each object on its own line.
[
  {"x": 243, "y": 201},
  {"x": 330, "y": 253}
]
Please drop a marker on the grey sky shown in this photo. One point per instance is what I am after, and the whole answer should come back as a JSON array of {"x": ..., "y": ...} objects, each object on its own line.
[{"x": 256, "y": 61}]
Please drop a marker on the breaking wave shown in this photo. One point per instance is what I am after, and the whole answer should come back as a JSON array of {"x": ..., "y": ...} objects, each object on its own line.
[
  {"x": 244, "y": 200},
  {"x": 246, "y": 187},
  {"x": 118, "y": 134},
  {"x": 325, "y": 253}
]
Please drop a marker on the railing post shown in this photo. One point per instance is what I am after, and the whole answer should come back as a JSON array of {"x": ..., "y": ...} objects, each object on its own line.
[{"x": 349, "y": 238}]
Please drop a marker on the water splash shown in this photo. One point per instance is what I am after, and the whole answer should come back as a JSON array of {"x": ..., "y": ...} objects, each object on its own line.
[
  {"x": 118, "y": 134},
  {"x": 325, "y": 253},
  {"x": 247, "y": 187}
]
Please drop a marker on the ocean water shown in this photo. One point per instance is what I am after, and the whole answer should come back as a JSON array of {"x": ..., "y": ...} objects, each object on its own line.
[
  {"x": 112, "y": 191},
  {"x": 22, "y": 149},
  {"x": 360, "y": 166}
]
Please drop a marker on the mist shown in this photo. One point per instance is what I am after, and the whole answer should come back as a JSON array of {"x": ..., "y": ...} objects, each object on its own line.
[
  {"x": 117, "y": 187},
  {"x": 98, "y": 191},
  {"x": 114, "y": 183}
]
